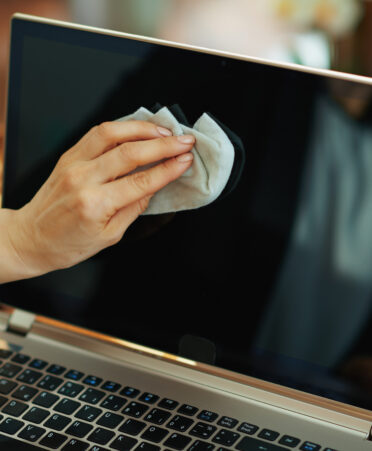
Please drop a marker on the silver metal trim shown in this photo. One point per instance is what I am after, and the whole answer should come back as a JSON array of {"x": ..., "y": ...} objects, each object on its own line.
[
  {"x": 135, "y": 37},
  {"x": 20, "y": 322}
]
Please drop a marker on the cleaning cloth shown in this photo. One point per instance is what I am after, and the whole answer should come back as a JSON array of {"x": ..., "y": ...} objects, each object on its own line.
[{"x": 209, "y": 173}]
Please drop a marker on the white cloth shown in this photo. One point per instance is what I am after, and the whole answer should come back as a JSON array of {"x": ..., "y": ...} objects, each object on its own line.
[{"x": 205, "y": 180}]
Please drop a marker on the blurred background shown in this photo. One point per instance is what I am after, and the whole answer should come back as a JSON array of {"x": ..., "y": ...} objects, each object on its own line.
[{"x": 333, "y": 34}]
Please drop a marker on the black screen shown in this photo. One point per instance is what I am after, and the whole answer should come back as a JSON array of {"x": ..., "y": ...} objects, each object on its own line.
[{"x": 277, "y": 274}]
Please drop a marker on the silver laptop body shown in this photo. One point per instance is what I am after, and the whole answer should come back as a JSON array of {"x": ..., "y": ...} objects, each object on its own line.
[{"x": 178, "y": 401}]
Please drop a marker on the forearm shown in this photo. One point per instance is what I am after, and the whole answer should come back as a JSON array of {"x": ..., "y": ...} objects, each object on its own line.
[{"x": 12, "y": 267}]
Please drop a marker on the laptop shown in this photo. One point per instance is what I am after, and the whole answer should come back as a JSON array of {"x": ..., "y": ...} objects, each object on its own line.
[{"x": 264, "y": 345}]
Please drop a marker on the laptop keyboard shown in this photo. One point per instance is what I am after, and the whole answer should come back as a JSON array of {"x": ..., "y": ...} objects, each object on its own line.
[{"x": 60, "y": 408}]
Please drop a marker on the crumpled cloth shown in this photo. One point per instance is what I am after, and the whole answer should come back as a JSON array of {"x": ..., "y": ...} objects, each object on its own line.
[{"x": 209, "y": 173}]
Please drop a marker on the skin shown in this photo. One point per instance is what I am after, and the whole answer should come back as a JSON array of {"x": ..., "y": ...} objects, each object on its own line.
[{"x": 91, "y": 197}]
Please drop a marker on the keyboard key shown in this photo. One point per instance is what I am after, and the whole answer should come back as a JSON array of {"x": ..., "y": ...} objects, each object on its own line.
[
  {"x": 92, "y": 396},
  {"x": 25, "y": 393},
  {"x": 113, "y": 402},
  {"x": 45, "y": 399},
  {"x": 149, "y": 398},
  {"x": 292, "y": 442},
  {"x": 309, "y": 446},
  {"x": 57, "y": 422},
  {"x": 167, "y": 403},
  {"x": 53, "y": 440},
  {"x": 74, "y": 375},
  {"x": 177, "y": 441},
  {"x": 6, "y": 386},
  {"x": 5, "y": 353},
  {"x": 31, "y": 433},
  {"x": 56, "y": 369},
  {"x": 154, "y": 434},
  {"x": 29, "y": 376},
  {"x": 111, "y": 386},
  {"x": 130, "y": 392},
  {"x": 50, "y": 382},
  {"x": 207, "y": 415},
  {"x": 10, "y": 443},
  {"x": 3, "y": 400},
  {"x": 94, "y": 381},
  {"x": 70, "y": 389},
  {"x": 199, "y": 445},
  {"x": 225, "y": 437},
  {"x": 79, "y": 429},
  {"x": 20, "y": 358},
  {"x": 110, "y": 420},
  {"x": 180, "y": 423},
  {"x": 10, "y": 370},
  {"x": 36, "y": 415},
  {"x": 132, "y": 427},
  {"x": 253, "y": 444},
  {"x": 75, "y": 445},
  {"x": 186, "y": 409},
  {"x": 38, "y": 364},
  {"x": 227, "y": 422},
  {"x": 203, "y": 430},
  {"x": 157, "y": 416},
  {"x": 67, "y": 406},
  {"x": 15, "y": 408},
  {"x": 11, "y": 426},
  {"x": 135, "y": 409},
  {"x": 147, "y": 447},
  {"x": 123, "y": 443},
  {"x": 101, "y": 436},
  {"x": 248, "y": 428},
  {"x": 88, "y": 413},
  {"x": 97, "y": 448},
  {"x": 267, "y": 434}
]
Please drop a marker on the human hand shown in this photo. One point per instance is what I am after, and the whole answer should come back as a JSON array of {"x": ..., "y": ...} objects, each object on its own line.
[{"x": 93, "y": 195}]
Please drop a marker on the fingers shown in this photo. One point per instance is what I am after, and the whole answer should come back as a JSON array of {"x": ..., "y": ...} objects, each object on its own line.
[
  {"x": 120, "y": 222},
  {"x": 132, "y": 188},
  {"x": 107, "y": 135},
  {"x": 129, "y": 156}
]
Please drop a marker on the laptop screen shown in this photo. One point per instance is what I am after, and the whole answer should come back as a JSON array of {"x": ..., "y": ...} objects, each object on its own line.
[{"x": 275, "y": 277}]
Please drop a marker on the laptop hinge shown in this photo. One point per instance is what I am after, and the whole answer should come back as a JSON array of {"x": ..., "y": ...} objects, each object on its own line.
[
  {"x": 369, "y": 438},
  {"x": 20, "y": 322}
]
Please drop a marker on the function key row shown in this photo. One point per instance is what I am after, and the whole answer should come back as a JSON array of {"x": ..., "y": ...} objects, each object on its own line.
[
  {"x": 114, "y": 403},
  {"x": 11, "y": 370}
]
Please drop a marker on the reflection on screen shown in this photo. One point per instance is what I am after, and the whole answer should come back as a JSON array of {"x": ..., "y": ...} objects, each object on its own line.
[{"x": 277, "y": 274}]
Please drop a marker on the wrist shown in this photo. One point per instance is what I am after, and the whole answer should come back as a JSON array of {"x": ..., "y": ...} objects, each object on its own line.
[{"x": 15, "y": 248}]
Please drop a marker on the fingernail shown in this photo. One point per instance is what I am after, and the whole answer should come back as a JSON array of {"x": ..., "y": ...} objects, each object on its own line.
[
  {"x": 164, "y": 131},
  {"x": 186, "y": 139},
  {"x": 185, "y": 157}
]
